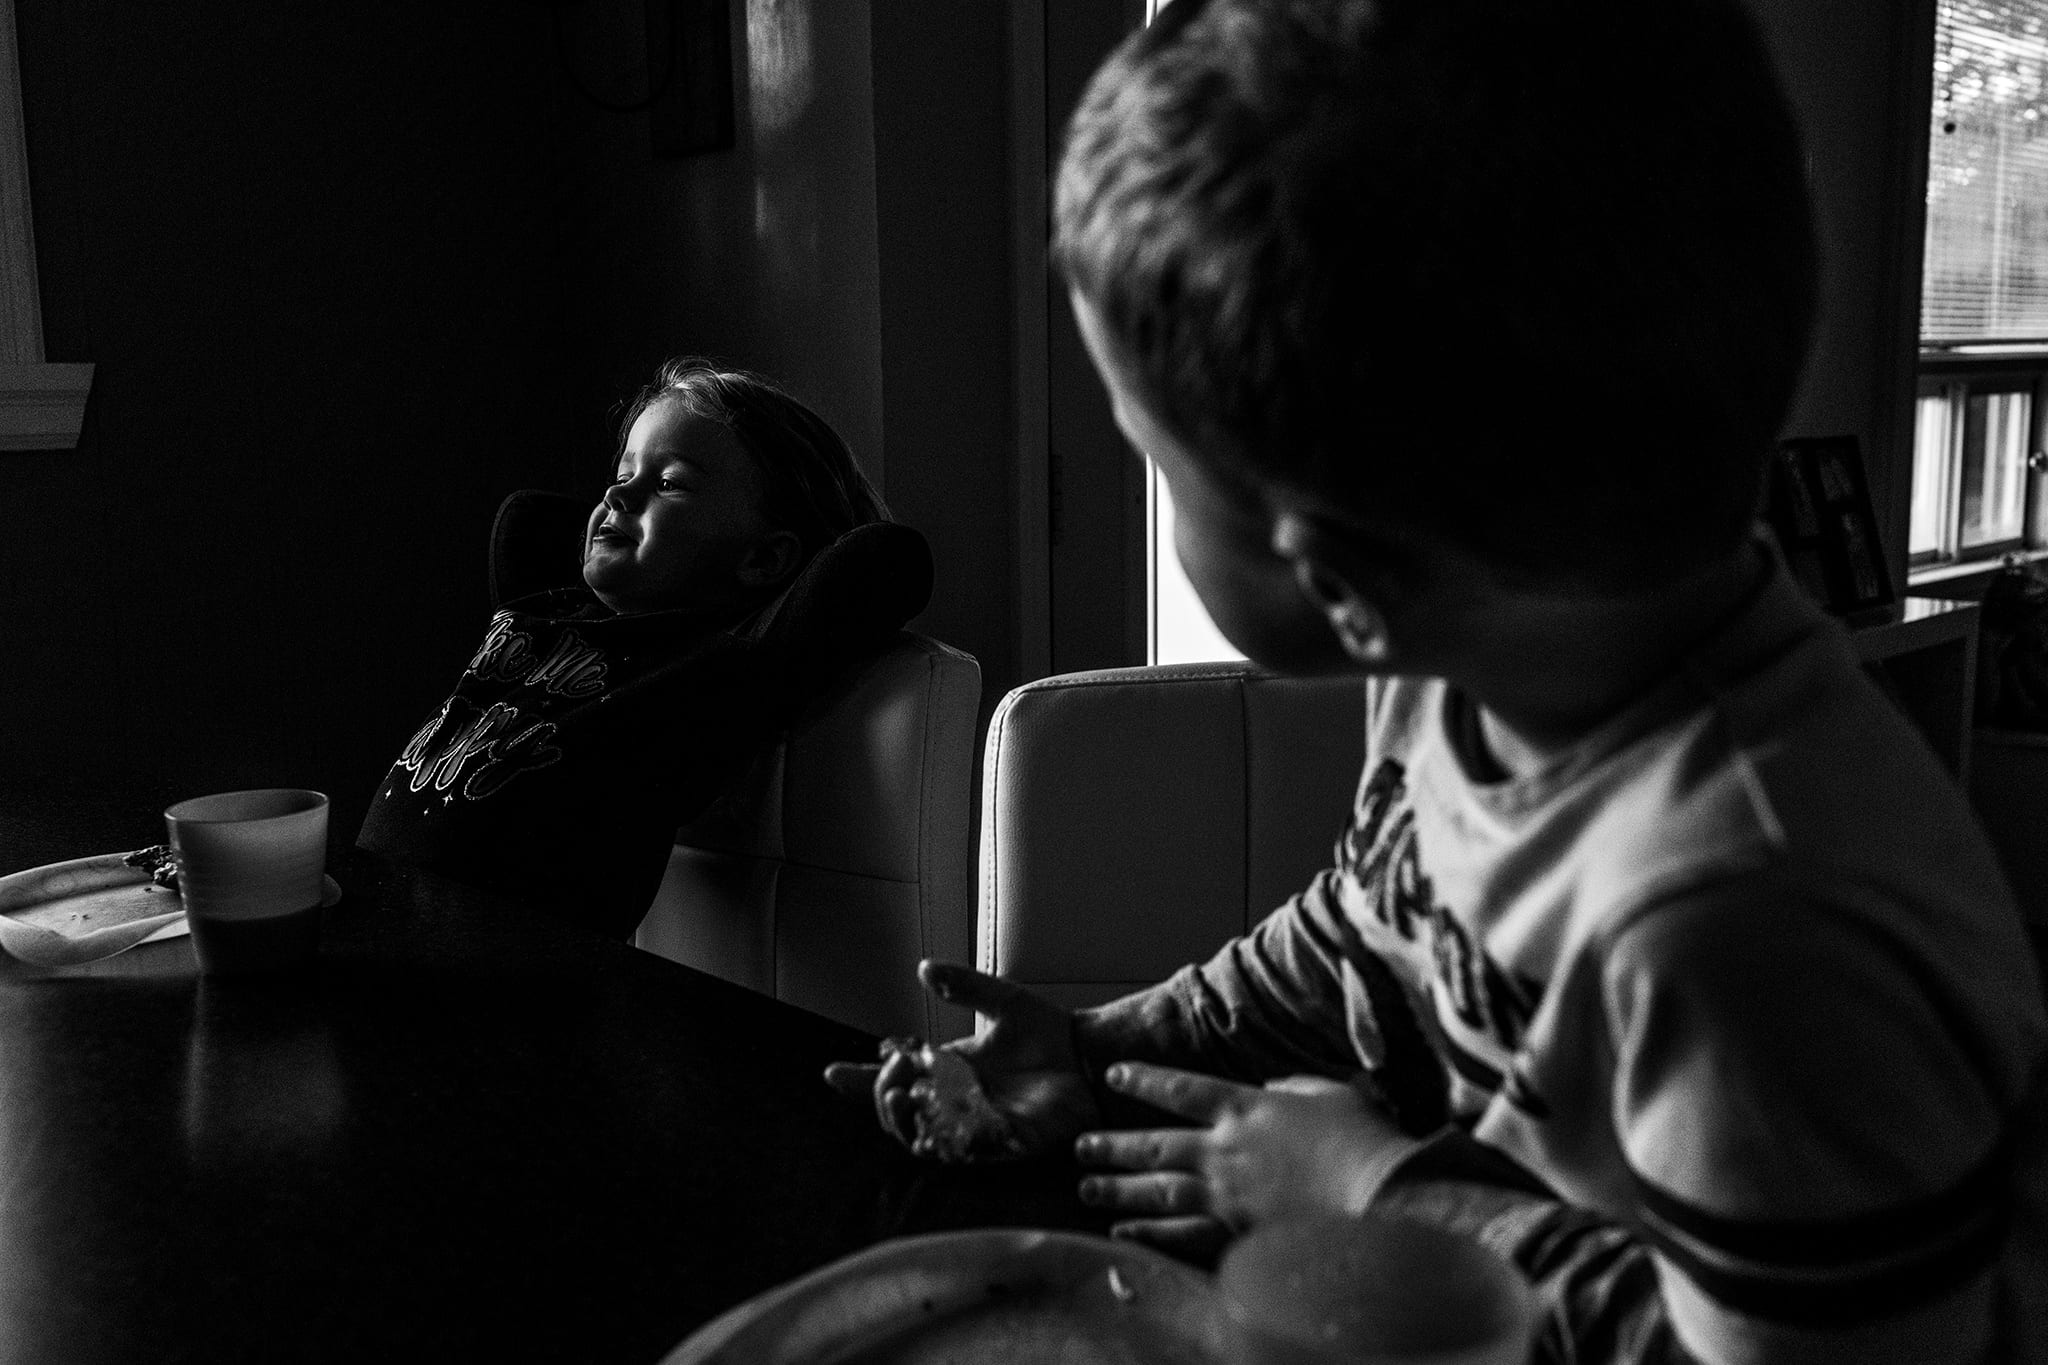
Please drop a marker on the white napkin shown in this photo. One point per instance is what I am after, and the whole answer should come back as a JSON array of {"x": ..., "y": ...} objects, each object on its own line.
[{"x": 41, "y": 947}]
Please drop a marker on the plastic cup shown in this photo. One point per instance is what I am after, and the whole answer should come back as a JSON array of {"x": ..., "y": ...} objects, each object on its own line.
[
  {"x": 1379, "y": 1289},
  {"x": 250, "y": 868}
]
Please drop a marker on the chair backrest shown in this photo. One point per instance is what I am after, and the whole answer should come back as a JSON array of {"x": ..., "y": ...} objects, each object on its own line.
[
  {"x": 1134, "y": 819},
  {"x": 844, "y": 856}
]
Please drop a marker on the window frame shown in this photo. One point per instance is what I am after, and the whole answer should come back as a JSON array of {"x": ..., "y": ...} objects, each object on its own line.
[
  {"x": 1958, "y": 373},
  {"x": 1963, "y": 368}
]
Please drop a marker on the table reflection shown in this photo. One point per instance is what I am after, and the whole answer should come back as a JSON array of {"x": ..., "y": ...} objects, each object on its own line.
[{"x": 263, "y": 1080}]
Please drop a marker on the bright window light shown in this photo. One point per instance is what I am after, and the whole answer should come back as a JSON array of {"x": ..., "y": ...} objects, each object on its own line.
[
  {"x": 1181, "y": 631},
  {"x": 1994, "y": 454},
  {"x": 1931, "y": 464}
]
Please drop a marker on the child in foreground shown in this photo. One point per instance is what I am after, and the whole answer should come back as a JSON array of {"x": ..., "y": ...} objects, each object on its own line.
[
  {"x": 593, "y": 720},
  {"x": 1659, "y": 953}
]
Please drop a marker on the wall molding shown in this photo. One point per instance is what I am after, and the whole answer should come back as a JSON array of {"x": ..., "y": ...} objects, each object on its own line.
[{"x": 42, "y": 405}]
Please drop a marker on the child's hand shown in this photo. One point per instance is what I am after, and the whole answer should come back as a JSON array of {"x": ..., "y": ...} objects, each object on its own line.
[
  {"x": 1300, "y": 1145},
  {"x": 1025, "y": 1064}
]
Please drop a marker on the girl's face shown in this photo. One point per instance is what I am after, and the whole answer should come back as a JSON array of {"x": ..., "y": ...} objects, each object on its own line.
[{"x": 681, "y": 525}]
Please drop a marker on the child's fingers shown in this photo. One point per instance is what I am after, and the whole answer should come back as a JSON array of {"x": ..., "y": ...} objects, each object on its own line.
[
  {"x": 1154, "y": 1149},
  {"x": 961, "y": 985},
  {"x": 895, "y": 1106},
  {"x": 1198, "y": 1239},
  {"x": 1164, "y": 1193},
  {"x": 897, "y": 1111},
  {"x": 899, "y": 1070},
  {"x": 1309, "y": 1085},
  {"x": 855, "y": 1080},
  {"x": 1189, "y": 1094}
]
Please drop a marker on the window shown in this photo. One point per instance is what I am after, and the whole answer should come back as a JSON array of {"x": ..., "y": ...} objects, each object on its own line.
[
  {"x": 1976, "y": 490},
  {"x": 1177, "y": 626},
  {"x": 1977, "y": 486}
]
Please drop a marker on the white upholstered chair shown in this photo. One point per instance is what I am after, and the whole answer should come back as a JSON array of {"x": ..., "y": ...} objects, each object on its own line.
[
  {"x": 844, "y": 855},
  {"x": 1134, "y": 819}
]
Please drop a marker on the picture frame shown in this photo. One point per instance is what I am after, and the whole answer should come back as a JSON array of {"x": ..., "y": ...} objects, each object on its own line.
[{"x": 1818, "y": 505}]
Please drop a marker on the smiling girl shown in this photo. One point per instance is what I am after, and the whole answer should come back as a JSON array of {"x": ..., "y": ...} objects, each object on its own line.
[{"x": 592, "y": 720}]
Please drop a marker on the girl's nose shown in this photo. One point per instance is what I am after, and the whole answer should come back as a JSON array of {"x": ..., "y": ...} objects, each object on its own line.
[{"x": 615, "y": 497}]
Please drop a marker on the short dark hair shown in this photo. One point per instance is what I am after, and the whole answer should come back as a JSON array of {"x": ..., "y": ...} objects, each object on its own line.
[
  {"x": 812, "y": 486},
  {"x": 1534, "y": 275}
]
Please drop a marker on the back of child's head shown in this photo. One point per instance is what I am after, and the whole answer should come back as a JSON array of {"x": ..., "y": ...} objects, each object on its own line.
[
  {"x": 1536, "y": 276},
  {"x": 811, "y": 485}
]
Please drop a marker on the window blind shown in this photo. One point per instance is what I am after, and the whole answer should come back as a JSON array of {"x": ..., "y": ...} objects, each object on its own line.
[{"x": 1985, "y": 278}]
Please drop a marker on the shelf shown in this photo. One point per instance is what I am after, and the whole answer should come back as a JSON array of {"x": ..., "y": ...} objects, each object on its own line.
[
  {"x": 43, "y": 406},
  {"x": 1918, "y": 623}
]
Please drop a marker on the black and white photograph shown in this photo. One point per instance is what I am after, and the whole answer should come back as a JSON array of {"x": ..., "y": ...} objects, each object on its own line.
[{"x": 980, "y": 682}]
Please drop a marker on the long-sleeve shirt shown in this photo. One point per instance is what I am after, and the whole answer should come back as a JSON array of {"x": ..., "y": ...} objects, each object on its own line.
[
  {"x": 1723, "y": 1025},
  {"x": 572, "y": 746}
]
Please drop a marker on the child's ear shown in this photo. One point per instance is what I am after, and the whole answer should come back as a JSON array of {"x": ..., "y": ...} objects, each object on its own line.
[
  {"x": 1335, "y": 580},
  {"x": 773, "y": 558}
]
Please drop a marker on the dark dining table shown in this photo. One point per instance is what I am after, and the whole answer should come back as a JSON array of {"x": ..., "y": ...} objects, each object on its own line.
[{"x": 472, "y": 1131}]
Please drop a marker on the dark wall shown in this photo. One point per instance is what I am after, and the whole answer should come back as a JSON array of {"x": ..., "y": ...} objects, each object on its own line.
[
  {"x": 314, "y": 252},
  {"x": 1860, "y": 76},
  {"x": 763, "y": 254},
  {"x": 944, "y": 245}
]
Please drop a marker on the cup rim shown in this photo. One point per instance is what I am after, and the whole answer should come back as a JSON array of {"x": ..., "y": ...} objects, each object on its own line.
[
  {"x": 306, "y": 801},
  {"x": 1501, "y": 1301}
]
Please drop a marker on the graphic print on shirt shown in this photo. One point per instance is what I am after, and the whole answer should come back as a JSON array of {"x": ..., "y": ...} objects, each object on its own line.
[
  {"x": 1481, "y": 1009},
  {"x": 573, "y": 668},
  {"x": 483, "y": 745},
  {"x": 492, "y": 735}
]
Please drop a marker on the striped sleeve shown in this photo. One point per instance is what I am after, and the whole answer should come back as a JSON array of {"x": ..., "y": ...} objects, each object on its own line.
[
  {"x": 1824, "y": 1272},
  {"x": 1597, "y": 1278},
  {"x": 1814, "y": 1123},
  {"x": 1614, "y": 1297}
]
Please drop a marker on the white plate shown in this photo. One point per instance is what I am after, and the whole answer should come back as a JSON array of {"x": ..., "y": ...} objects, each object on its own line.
[
  {"x": 986, "y": 1297},
  {"x": 89, "y": 908}
]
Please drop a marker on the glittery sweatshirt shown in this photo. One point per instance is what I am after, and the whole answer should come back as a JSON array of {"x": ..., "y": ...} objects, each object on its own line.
[{"x": 572, "y": 746}]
